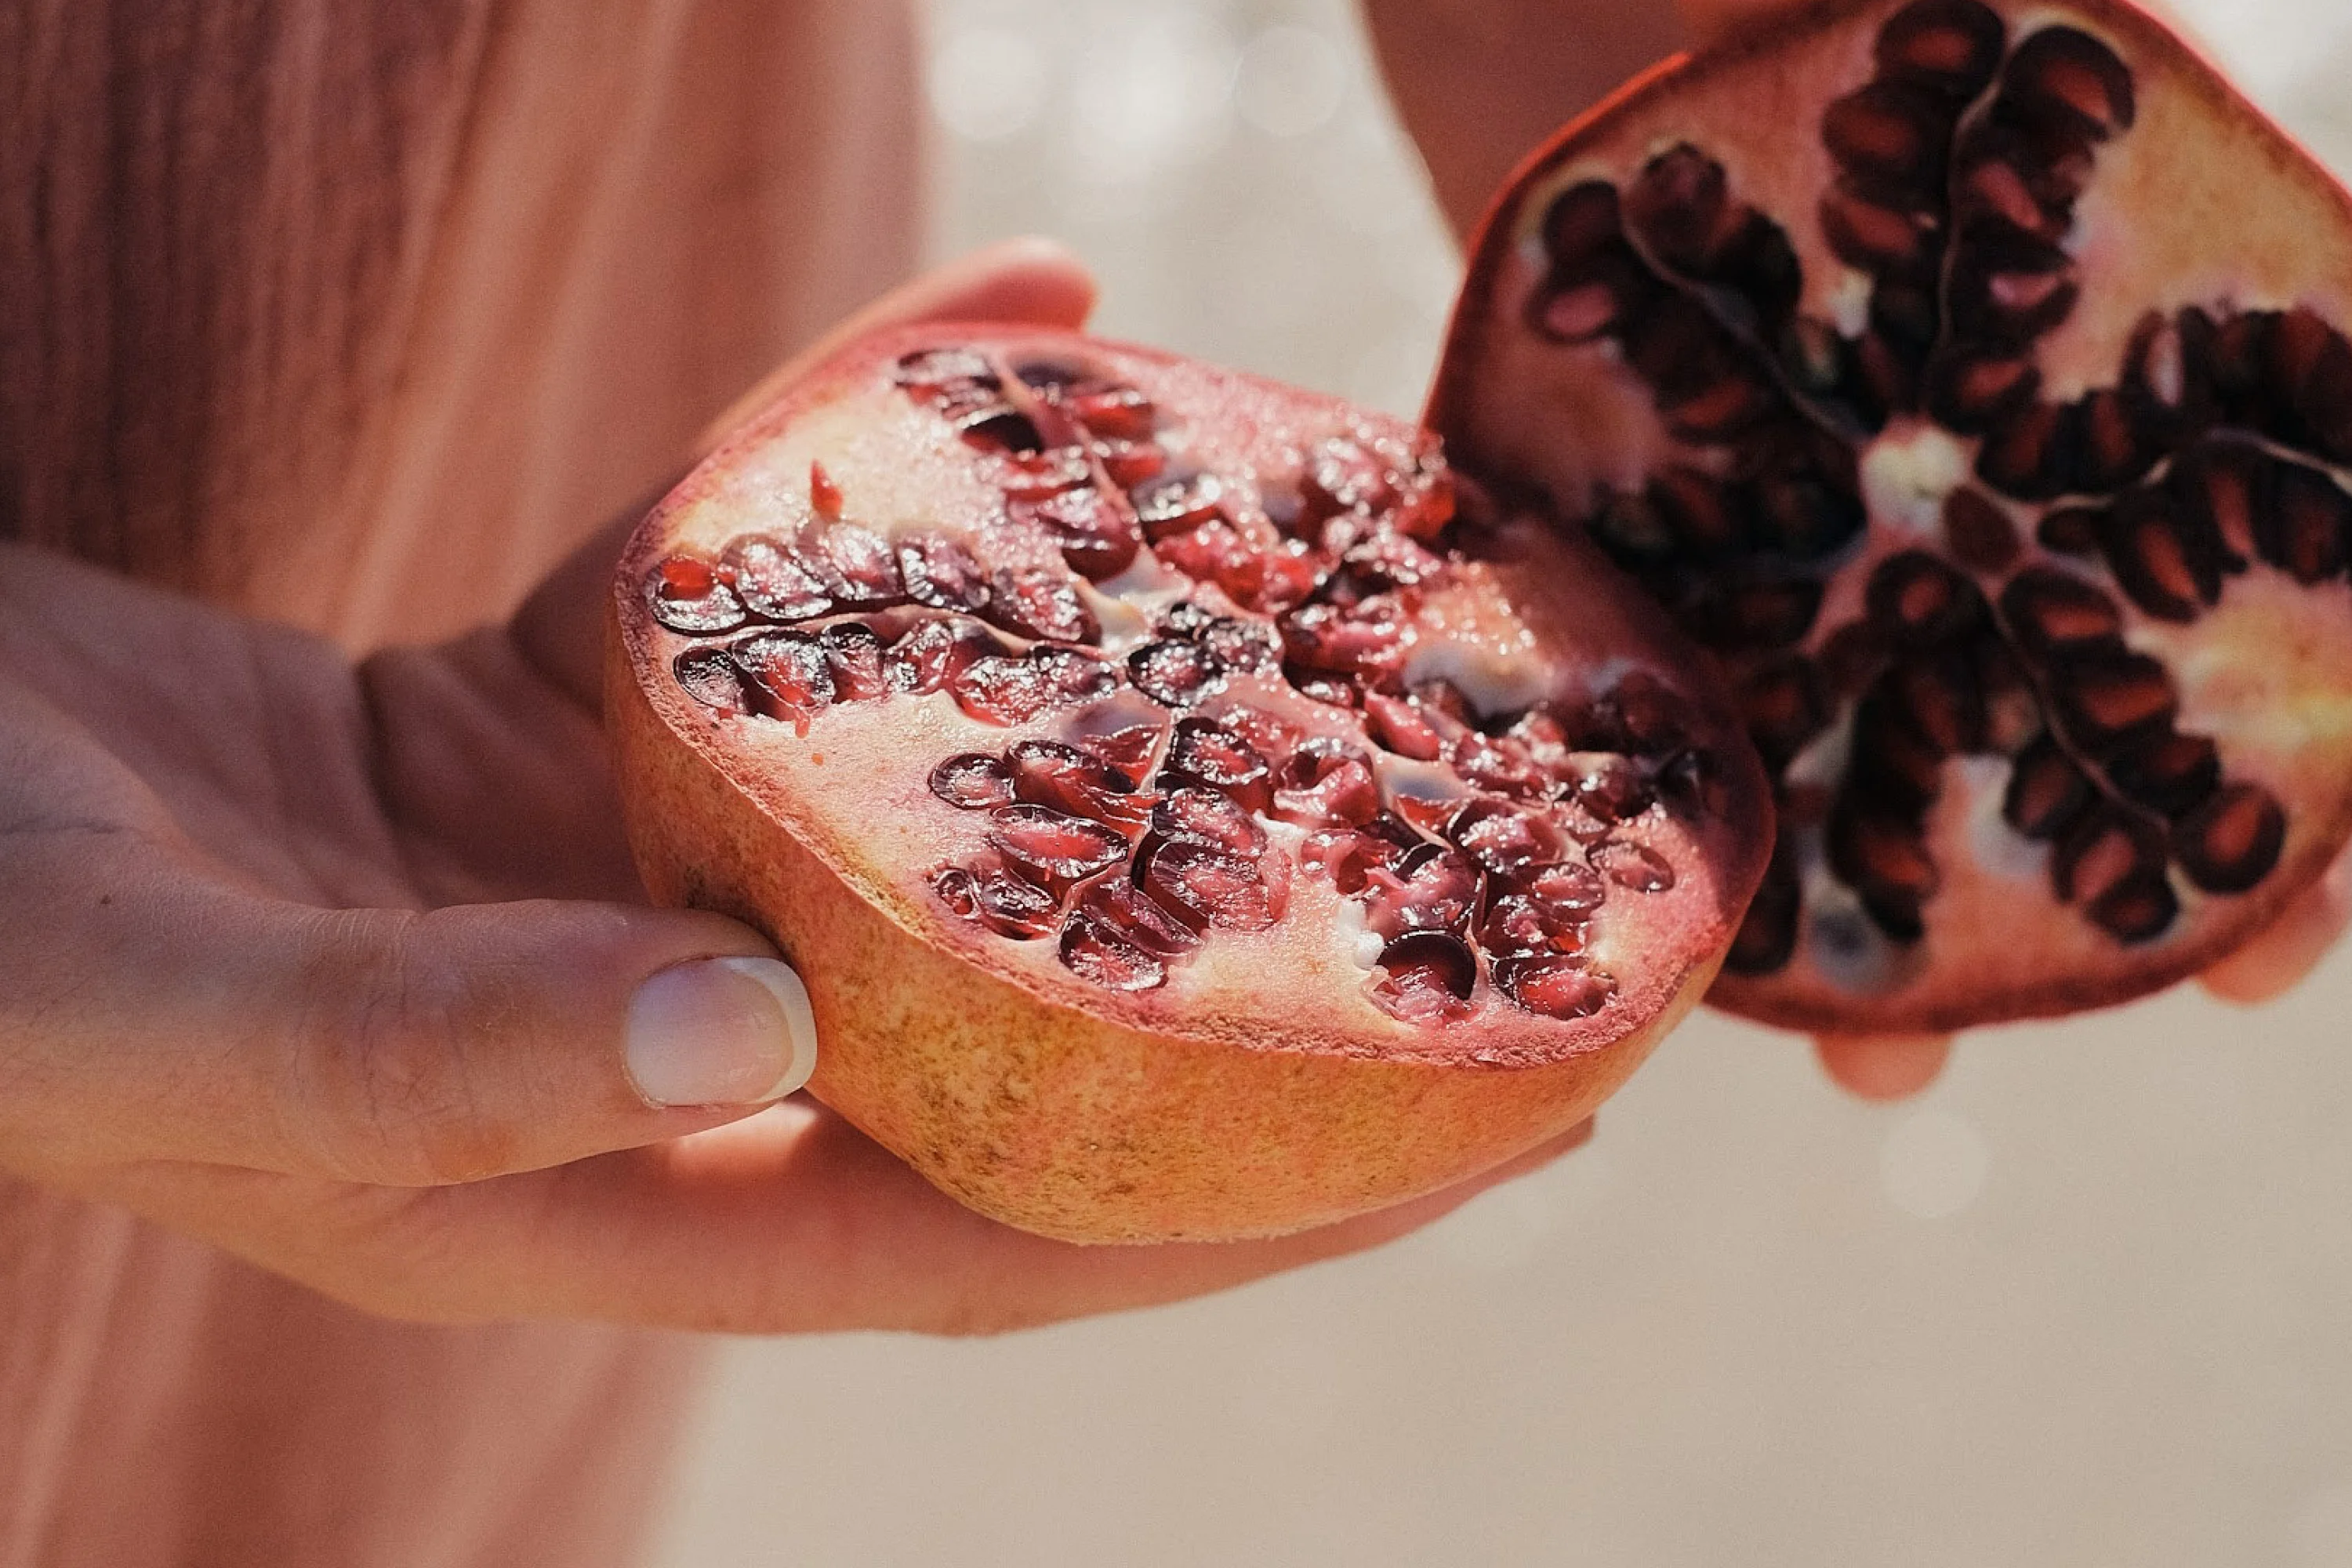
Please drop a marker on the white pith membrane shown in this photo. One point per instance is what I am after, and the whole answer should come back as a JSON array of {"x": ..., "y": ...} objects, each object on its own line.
[
  {"x": 887, "y": 449},
  {"x": 2191, "y": 202}
]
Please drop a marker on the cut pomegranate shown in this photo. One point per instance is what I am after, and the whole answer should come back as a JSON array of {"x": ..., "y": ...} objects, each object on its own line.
[
  {"x": 1186, "y": 811},
  {"x": 1985, "y": 410}
]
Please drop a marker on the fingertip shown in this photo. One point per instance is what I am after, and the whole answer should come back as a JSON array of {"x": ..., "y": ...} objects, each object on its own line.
[{"x": 1883, "y": 1067}]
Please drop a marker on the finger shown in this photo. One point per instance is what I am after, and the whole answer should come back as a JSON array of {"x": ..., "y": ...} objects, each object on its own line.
[
  {"x": 2280, "y": 956},
  {"x": 561, "y": 627},
  {"x": 1883, "y": 1067},
  {"x": 789, "y": 1222},
  {"x": 154, "y": 1011}
]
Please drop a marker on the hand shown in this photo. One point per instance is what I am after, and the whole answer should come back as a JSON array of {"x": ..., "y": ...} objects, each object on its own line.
[{"x": 341, "y": 968}]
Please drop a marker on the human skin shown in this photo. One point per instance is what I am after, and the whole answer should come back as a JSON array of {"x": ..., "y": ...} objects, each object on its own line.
[{"x": 1475, "y": 112}]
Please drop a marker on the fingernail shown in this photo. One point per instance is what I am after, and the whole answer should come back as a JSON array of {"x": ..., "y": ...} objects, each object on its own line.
[{"x": 722, "y": 1031}]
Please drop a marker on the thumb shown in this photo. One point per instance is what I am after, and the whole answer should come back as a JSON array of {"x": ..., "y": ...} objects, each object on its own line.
[{"x": 389, "y": 1047}]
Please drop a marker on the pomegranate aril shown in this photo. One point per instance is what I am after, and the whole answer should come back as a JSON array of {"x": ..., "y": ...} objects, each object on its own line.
[
  {"x": 711, "y": 677},
  {"x": 2064, "y": 75},
  {"x": 1783, "y": 706},
  {"x": 1053, "y": 846},
  {"x": 1049, "y": 774},
  {"x": 2169, "y": 774},
  {"x": 1431, "y": 887},
  {"x": 933, "y": 653},
  {"x": 1885, "y": 860},
  {"x": 1554, "y": 984},
  {"x": 1123, "y": 908},
  {"x": 1094, "y": 950},
  {"x": 1197, "y": 815},
  {"x": 2051, "y": 611},
  {"x": 1035, "y": 476},
  {"x": 1037, "y": 602},
  {"x": 1350, "y": 854},
  {"x": 928, "y": 369},
  {"x": 1174, "y": 672},
  {"x": 853, "y": 653},
  {"x": 1427, "y": 978},
  {"x": 2231, "y": 843},
  {"x": 1207, "y": 887},
  {"x": 1342, "y": 476},
  {"x": 2224, "y": 487},
  {"x": 1399, "y": 725},
  {"x": 1888, "y": 133},
  {"x": 991, "y": 896},
  {"x": 791, "y": 678},
  {"x": 2138, "y": 909},
  {"x": 1519, "y": 923},
  {"x": 1130, "y": 748},
  {"x": 1001, "y": 427},
  {"x": 1608, "y": 787},
  {"x": 1634, "y": 867},
  {"x": 2107, "y": 696},
  {"x": 1244, "y": 647},
  {"x": 2046, "y": 790},
  {"x": 1002, "y": 689},
  {"x": 1504, "y": 839},
  {"x": 687, "y": 594},
  {"x": 1114, "y": 413},
  {"x": 972, "y": 781},
  {"x": 2161, "y": 562},
  {"x": 1949, "y": 46},
  {"x": 1175, "y": 503},
  {"x": 856, "y": 566},
  {"x": 939, "y": 572},
  {"x": 1131, "y": 464},
  {"x": 1327, "y": 783},
  {"x": 1976, "y": 393},
  {"x": 1070, "y": 676},
  {"x": 2303, "y": 529},
  {"x": 1916, "y": 599},
  {"x": 772, "y": 583},
  {"x": 1097, "y": 540},
  {"x": 2103, "y": 851},
  {"x": 1203, "y": 751}
]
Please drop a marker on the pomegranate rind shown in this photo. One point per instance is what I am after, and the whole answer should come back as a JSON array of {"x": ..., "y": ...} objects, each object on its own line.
[
  {"x": 2243, "y": 216},
  {"x": 1261, "y": 1091}
]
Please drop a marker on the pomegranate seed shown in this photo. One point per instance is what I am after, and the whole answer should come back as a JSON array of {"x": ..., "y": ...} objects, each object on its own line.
[
  {"x": 1349, "y": 855},
  {"x": 1196, "y": 815},
  {"x": 1570, "y": 891},
  {"x": 1129, "y": 749},
  {"x": 823, "y": 494},
  {"x": 1432, "y": 887},
  {"x": 1327, "y": 689},
  {"x": 1000, "y": 690},
  {"x": 1520, "y": 923},
  {"x": 1505, "y": 840},
  {"x": 1243, "y": 645},
  {"x": 1116, "y": 413},
  {"x": 928, "y": 369},
  {"x": 993, "y": 896},
  {"x": 935, "y": 652},
  {"x": 1630, "y": 865},
  {"x": 1398, "y": 725},
  {"x": 1067, "y": 676},
  {"x": 1121, "y": 906},
  {"x": 974, "y": 781},
  {"x": 1000, "y": 427},
  {"x": 772, "y": 585},
  {"x": 1371, "y": 638},
  {"x": 1607, "y": 785},
  {"x": 1500, "y": 763},
  {"x": 855, "y": 565},
  {"x": 941, "y": 573},
  {"x": 1427, "y": 813},
  {"x": 791, "y": 678},
  {"x": 1327, "y": 783},
  {"x": 1175, "y": 503},
  {"x": 1204, "y": 752},
  {"x": 1174, "y": 672},
  {"x": 1093, "y": 950},
  {"x": 687, "y": 594},
  {"x": 1429, "y": 978},
  {"x": 1343, "y": 477},
  {"x": 1035, "y": 602},
  {"x": 1130, "y": 464},
  {"x": 1214, "y": 552},
  {"x": 1096, "y": 541},
  {"x": 1049, "y": 774},
  {"x": 1274, "y": 738},
  {"x": 1035, "y": 475},
  {"x": 1203, "y": 887},
  {"x": 1053, "y": 846},
  {"x": 853, "y": 655},
  {"x": 711, "y": 677},
  {"x": 1555, "y": 984},
  {"x": 1272, "y": 581}
]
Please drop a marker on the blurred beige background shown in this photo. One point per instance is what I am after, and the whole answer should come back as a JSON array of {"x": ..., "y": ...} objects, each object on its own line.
[{"x": 2088, "y": 1302}]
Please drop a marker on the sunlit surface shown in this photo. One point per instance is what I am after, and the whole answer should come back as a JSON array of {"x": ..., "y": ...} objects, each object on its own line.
[{"x": 2086, "y": 1303}]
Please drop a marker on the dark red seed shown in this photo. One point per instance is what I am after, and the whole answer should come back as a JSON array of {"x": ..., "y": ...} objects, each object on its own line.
[
  {"x": 2028, "y": 454},
  {"x": 1504, "y": 839},
  {"x": 1979, "y": 532},
  {"x": 1349, "y": 855},
  {"x": 1049, "y": 774},
  {"x": 774, "y": 585},
  {"x": 2104, "y": 696},
  {"x": 824, "y": 495},
  {"x": 1000, "y": 427},
  {"x": 993, "y": 896},
  {"x": 1555, "y": 984},
  {"x": 1203, "y": 751},
  {"x": 1093, "y": 950},
  {"x": 941, "y": 573},
  {"x": 1035, "y": 475},
  {"x": 1399, "y": 726},
  {"x": 1784, "y": 707},
  {"x": 2049, "y": 611},
  {"x": 1197, "y": 815},
  {"x": 933, "y": 653},
  {"x": 2072, "y": 530},
  {"x": 1242, "y": 646},
  {"x": 1114, "y": 413},
  {"x": 1914, "y": 599},
  {"x": 1125, "y": 908},
  {"x": 1877, "y": 237},
  {"x": 1580, "y": 220},
  {"x": 1174, "y": 672},
  {"x": 1885, "y": 859},
  {"x": 2150, "y": 551},
  {"x": 1520, "y": 923},
  {"x": 1036, "y": 601},
  {"x": 1206, "y": 888},
  {"x": 1002, "y": 689},
  {"x": 1176, "y": 503},
  {"x": 1327, "y": 783},
  {"x": 2225, "y": 486},
  {"x": 2302, "y": 531},
  {"x": 1069, "y": 676},
  {"x": 1634, "y": 867},
  {"x": 1053, "y": 846},
  {"x": 927, "y": 370},
  {"x": 1097, "y": 540},
  {"x": 856, "y": 566},
  {"x": 1570, "y": 891},
  {"x": 1342, "y": 476},
  {"x": 791, "y": 678},
  {"x": 1433, "y": 887},
  {"x": 1609, "y": 786},
  {"x": 2231, "y": 843},
  {"x": 2067, "y": 72},
  {"x": 974, "y": 781},
  {"x": 687, "y": 594},
  {"x": 711, "y": 677},
  {"x": 2046, "y": 790},
  {"x": 1949, "y": 46},
  {"x": 854, "y": 654},
  {"x": 1887, "y": 134},
  {"x": 1130, "y": 464},
  {"x": 1976, "y": 393},
  {"x": 2102, "y": 851},
  {"x": 2138, "y": 909},
  {"x": 2168, "y": 773},
  {"x": 1427, "y": 978},
  {"x": 1128, "y": 748}
]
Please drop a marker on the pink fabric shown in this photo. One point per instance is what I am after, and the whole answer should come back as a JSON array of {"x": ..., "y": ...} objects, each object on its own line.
[{"x": 358, "y": 316}]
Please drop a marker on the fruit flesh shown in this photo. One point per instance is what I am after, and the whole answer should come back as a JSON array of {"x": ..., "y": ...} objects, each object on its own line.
[
  {"x": 1181, "y": 947},
  {"x": 1971, "y": 379}
]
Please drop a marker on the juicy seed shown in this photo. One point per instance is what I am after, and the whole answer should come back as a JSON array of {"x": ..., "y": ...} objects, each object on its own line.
[
  {"x": 1428, "y": 978},
  {"x": 2229, "y": 843},
  {"x": 993, "y": 897},
  {"x": 1432, "y": 887},
  {"x": 1092, "y": 950},
  {"x": 856, "y": 566},
  {"x": 1053, "y": 846},
  {"x": 1635, "y": 867},
  {"x": 1174, "y": 672},
  {"x": 1049, "y": 774},
  {"x": 934, "y": 653},
  {"x": 824, "y": 495},
  {"x": 972, "y": 781},
  {"x": 1556, "y": 985},
  {"x": 1119, "y": 905},
  {"x": 1518, "y": 924},
  {"x": 1204, "y": 752},
  {"x": 2046, "y": 790},
  {"x": 1176, "y": 503},
  {"x": 711, "y": 676},
  {"x": 1205, "y": 887},
  {"x": 687, "y": 594},
  {"x": 1767, "y": 934},
  {"x": 1034, "y": 602},
  {"x": 791, "y": 678},
  {"x": 1195, "y": 816},
  {"x": 853, "y": 655},
  {"x": 941, "y": 573},
  {"x": 1504, "y": 839},
  {"x": 774, "y": 585},
  {"x": 1327, "y": 783},
  {"x": 1097, "y": 541}
]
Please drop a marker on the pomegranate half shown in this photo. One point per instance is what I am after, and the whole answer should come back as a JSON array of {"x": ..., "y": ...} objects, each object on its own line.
[
  {"x": 1969, "y": 376},
  {"x": 1192, "y": 813}
]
